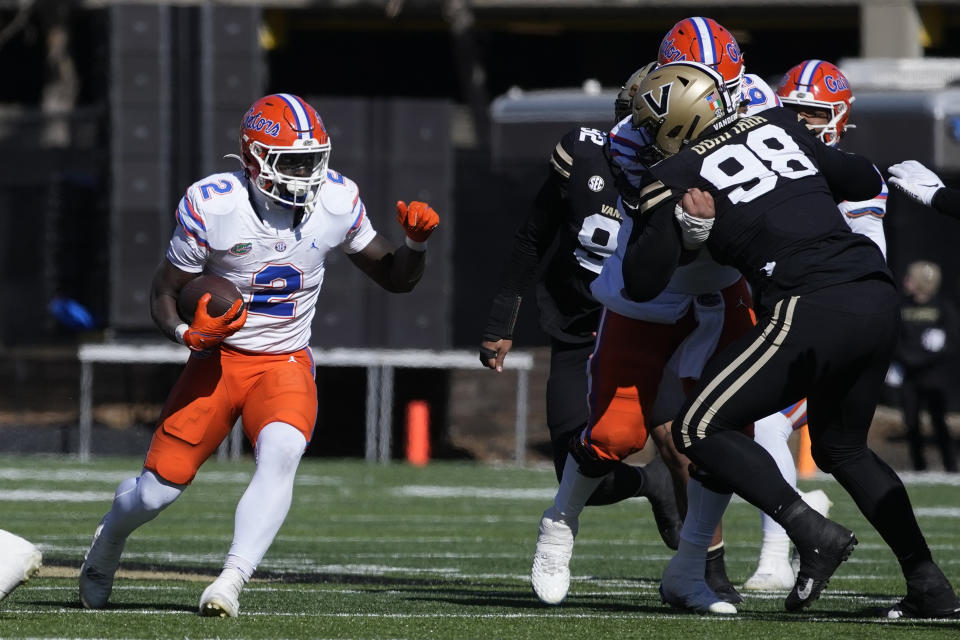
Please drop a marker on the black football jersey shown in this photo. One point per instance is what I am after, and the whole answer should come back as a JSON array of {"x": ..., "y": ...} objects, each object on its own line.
[
  {"x": 775, "y": 190},
  {"x": 586, "y": 236}
]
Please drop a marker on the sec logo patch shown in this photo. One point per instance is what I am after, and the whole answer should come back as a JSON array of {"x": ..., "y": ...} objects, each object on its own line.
[{"x": 595, "y": 183}]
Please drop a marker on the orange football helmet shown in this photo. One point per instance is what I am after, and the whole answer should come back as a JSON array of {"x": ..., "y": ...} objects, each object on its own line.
[
  {"x": 285, "y": 149},
  {"x": 819, "y": 85},
  {"x": 704, "y": 40}
]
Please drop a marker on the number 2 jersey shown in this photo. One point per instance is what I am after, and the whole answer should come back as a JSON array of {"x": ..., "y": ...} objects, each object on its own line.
[
  {"x": 776, "y": 190},
  {"x": 227, "y": 228}
]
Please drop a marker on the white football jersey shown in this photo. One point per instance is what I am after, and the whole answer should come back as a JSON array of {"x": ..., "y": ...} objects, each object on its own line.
[
  {"x": 278, "y": 269},
  {"x": 866, "y": 217},
  {"x": 758, "y": 94}
]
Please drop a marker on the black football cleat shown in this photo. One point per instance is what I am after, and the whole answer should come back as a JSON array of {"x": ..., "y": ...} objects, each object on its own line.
[
  {"x": 819, "y": 559},
  {"x": 929, "y": 595},
  {"x": 658, "y": 490},
  {"x": 717, "y": 580}
]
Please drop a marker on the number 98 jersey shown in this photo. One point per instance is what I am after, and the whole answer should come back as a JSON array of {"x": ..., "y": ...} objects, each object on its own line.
[
  {"x": 775, "y": 189},
  {"x": 278, "y": 269}
]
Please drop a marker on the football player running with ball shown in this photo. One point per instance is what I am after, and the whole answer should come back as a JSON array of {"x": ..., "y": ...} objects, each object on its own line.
[{"x": 267, "y": 228}]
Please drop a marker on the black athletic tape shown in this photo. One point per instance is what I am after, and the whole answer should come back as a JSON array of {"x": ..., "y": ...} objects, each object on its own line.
[{"x": 486, "y": 354}]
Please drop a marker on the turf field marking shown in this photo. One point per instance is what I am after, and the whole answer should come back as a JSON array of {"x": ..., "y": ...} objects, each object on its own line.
[
  {"x": 555, "y": 614},
  {"x": 31, "y": 495},
  {"x": 434, "y": 491}
]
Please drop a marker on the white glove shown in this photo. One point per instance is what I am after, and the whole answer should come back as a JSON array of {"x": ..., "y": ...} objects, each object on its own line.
[
  {"x": 915, "y": 180},
  {"x": 694, "y": 231}
]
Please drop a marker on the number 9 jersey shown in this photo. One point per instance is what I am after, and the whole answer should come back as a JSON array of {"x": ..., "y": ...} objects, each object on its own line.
[{"x": 228, "y": 229}]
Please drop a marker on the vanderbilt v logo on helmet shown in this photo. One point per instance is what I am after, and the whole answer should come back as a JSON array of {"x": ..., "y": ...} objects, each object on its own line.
[
  {"x": 679, "y": 102},
  {"x": 660, "y": 107}
]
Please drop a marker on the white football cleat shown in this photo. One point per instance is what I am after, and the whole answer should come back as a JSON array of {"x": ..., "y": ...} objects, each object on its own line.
[
  {"x": 818, "y": 501},
  {"x": 771, "y": 576},
  {"x": 550, "y": 574},
  {"x": 222, "y": 598},
  {"x": 99, "y": 566},
  {"x": 19, "y": 561}
]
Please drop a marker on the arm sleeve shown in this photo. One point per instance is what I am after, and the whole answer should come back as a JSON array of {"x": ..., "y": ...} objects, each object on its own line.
[
  {"x": 947, "y": 202},
  {"x": 652, "y": 253},
  {"x": 850, "y": 177},
  {"x": 531, "y": 243}
]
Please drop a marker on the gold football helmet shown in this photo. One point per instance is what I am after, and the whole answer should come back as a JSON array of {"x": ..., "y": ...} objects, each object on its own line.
[
  {"x": 678, "y": 102},
  {"x": 623, "y": 105}
]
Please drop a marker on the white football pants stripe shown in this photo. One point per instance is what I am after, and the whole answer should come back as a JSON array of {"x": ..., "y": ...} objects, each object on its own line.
[{"x": 700, "y": 431}]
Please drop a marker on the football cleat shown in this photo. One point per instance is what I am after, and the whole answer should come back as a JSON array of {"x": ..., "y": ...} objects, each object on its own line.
[
  {"x": 771, "y": 576},
  {"x": 21, "y": 561},
  {"x": 716, "y": 578},
  {"x": 221, "y": 599},
  {"x": 929, "y": 595},
  {"x": 550, "y": 574},
  {"x": 681, "y": 591},
  {"x": 819, "y": 559},
  {"x": 820, "y": 503},
  {"x": 658, "y": 490},
  {"x": 98, "y": 569}
]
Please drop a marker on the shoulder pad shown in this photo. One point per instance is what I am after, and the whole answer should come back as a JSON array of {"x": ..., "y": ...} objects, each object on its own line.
[
  {"x": 218, "y": 194},
  {"x": 339, "y": 194}
]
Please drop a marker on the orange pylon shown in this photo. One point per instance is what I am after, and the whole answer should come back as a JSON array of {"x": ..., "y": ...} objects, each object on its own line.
[
  {"x": 418, "y": 432},
  {"x": 806, "y": 467}
]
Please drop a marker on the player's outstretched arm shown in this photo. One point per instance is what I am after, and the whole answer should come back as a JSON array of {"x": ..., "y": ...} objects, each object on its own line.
[
  {"x": 924, "y": 186},
  {"x": 399, "y": 269}
]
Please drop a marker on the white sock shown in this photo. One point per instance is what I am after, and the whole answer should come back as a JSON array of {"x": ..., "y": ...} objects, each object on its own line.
[
  {"x": 774, "y": 550},
  {"x": 772, "y": 434},
  {"x": 575, "y": 489},
  {"x": 265, "y": 503},
  {"x": 137, "y": 501}
]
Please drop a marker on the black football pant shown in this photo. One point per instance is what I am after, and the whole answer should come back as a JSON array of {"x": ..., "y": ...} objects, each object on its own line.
[
  {"x": 567, "y": 414},
  {"x": 832, "y": 346},
  {"x": 915, "y": 395}
]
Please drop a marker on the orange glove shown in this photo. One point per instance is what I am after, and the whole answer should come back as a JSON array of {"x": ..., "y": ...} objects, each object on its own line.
[
  {"x": 418, "y": 219},
  {"x": 208, "y": 331}
]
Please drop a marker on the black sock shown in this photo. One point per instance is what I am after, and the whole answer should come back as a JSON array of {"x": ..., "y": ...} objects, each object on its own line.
[
  {"x": 745, "y": 467},
  {"x": 624, "y": 481},
  {"x": 883, "y": 499}
]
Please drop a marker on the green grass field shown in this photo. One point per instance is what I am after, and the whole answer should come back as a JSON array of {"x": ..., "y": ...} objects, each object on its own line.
[{"x": 394, "y": 551}]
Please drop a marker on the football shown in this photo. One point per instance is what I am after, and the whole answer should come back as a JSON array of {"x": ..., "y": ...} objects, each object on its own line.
[{"x": 223, "y": 294}]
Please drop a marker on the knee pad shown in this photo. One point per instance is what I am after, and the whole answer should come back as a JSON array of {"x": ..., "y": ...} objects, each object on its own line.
[
  {"x": 280, "y": 443},
  {"x": 828, "y": 458},
  {"x": 709, "y": 480},
  {"x": 155, "y": 493},
  {"x": 590, "y": 465}
]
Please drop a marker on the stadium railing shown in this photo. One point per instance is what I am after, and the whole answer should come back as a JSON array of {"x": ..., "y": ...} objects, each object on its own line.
[{"x": 380, "y": 365}]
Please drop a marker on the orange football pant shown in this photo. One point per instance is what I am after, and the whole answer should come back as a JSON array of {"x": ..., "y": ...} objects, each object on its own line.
[
  {"x": 628, "y": 363},
  {"x": 218, "y": 386}
]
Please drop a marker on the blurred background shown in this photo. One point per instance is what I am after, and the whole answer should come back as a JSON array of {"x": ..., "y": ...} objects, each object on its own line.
[{"x": 109, "y": 110}]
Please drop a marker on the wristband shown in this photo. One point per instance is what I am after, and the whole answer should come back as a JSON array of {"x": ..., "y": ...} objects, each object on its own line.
[
  {"x": 413, "y": 244},
  {"x": 179, "y": 331}
]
